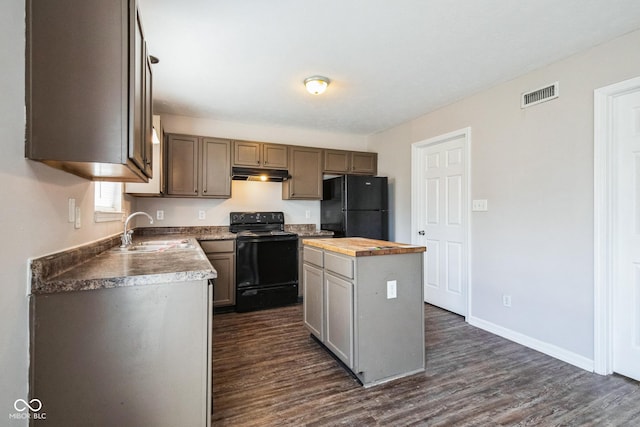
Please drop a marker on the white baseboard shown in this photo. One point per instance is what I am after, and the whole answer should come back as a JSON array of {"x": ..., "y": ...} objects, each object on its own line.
[{"x": 527, "y": 341}]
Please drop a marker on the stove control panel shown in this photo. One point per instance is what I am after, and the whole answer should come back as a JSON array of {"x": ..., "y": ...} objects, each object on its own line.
[{"x": 256, "y": 218}]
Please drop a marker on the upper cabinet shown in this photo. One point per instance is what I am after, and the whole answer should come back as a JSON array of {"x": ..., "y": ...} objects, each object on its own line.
[
  {"x": 260, "y": 155},
  {"x": 198, "y": 166},
  {"x": 156, "y": 185},
  {"x": 306, "y": 174},
  {"x": 350, "y": 162},
  {"x": 89, "y": 89}
]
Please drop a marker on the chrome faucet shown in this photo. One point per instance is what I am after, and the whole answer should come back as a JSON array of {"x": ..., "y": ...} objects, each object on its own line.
[{"x": 126, "y": 236}]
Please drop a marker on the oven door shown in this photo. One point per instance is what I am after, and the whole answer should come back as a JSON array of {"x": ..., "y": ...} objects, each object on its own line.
[{"x": 266, "y": 261}]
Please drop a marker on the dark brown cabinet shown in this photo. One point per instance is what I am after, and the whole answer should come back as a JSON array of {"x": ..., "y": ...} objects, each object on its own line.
[
  {"x": 198, "y": 166},
  {"x": 259, "y": 155},
  {"x": 89, "y": 89},
  {"x": 305, "y": 168},
  {"x": 350, "y": 162},
  {"x": 221, "y": 254}
]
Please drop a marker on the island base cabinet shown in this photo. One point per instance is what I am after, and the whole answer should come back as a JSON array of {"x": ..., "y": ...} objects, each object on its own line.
[
  {"x": 128, "y": 356},
  {"x": 389, "y": 332},
  {"x": 378, "y": 336}
]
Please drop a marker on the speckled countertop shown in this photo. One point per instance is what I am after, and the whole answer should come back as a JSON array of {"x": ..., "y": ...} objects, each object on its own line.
[{"x": 97, "y": 266}]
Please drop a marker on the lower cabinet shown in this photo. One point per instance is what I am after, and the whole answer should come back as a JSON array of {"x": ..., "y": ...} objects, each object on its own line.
[
  {"x": 222, "y": 256},
  {"x": 339, "y": 317},
  {"x": 314, "y": 300},
  {"x": 348, "y": 307},
  {"x": 121, "y": 357}
]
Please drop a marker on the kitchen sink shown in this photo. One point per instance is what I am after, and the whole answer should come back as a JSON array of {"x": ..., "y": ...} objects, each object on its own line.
[{"x": 154, "y": 246}]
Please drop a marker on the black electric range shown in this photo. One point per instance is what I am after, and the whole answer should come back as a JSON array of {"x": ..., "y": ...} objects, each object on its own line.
[{"x": 266, "y": 260}]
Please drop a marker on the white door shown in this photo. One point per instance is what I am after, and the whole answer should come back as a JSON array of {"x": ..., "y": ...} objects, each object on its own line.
[
  {"x": 439, "y": 200},
  {"x": 626, "y": 288}
]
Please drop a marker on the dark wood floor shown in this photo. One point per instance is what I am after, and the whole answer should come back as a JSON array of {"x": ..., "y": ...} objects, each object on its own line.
[{"x": 269, "y": 372}]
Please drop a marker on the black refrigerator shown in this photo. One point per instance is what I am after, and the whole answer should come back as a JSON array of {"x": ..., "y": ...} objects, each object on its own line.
[{"x": 355, "y": 206}]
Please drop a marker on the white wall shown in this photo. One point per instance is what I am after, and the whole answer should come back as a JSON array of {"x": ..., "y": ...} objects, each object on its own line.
[
  {"x": 245, "y": 196},
  {"x": 535, "y": 167},
  {"x": 33, "y": 217}
]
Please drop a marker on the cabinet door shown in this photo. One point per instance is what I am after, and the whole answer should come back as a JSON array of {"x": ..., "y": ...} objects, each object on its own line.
[
  {"x": 137, "y": 147},
  {"x": 182, "y": 165},
  {"x": 305, "y": 168},
  {"x": 224, "y": 289},
  {"x": 336, "y": 161},
  {"x": 274, "y": 156},
  {"x": 216, "y": 168},
  {"x": 247, "y": 153},
  {"x": 364, "y": 163},
  {"x": 339, "y": 317},
  {"x": 313, "y": 300},
  {"x": 148, "y": 115}
]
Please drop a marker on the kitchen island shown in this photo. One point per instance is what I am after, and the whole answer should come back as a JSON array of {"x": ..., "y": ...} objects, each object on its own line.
[{"x": 364, "y": 303}]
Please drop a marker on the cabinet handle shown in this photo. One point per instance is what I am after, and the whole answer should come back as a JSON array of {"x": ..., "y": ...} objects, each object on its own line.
[
  {"x": 195, "y": 190},
  {"x": 258, "y": 162},
  {"x": 421, "y": 232},
  {"x": 266, "y": 163}
]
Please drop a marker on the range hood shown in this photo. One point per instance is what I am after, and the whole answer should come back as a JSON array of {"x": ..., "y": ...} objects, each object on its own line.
[{"x": 256, "y": 174}]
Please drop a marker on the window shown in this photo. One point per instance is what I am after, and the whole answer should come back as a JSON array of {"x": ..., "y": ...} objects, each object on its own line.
[{"x": 108, "y": 201}]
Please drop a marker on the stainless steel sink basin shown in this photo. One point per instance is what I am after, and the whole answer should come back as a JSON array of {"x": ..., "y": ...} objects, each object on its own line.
[{"x": 154, "y": 246}]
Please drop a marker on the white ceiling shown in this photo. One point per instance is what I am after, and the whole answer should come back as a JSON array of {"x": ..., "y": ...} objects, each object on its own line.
[{"x": 388, "y": 60}]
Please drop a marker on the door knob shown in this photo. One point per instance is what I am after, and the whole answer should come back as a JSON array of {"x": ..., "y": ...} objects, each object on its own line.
[{"x": 421, "y": 232}]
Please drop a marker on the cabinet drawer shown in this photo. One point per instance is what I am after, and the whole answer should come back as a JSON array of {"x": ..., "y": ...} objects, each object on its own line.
[
  {"x": 338, "y": 264},
  {"x": 218, "y": 245},
  {"x": 312, "y": 256}
]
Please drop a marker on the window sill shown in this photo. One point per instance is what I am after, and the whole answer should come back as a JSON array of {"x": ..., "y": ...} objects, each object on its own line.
[{"x": 100, "y": 216}]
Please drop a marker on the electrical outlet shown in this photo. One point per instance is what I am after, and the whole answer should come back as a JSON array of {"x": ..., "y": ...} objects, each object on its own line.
[
  {"x": 479, "y": 205},
  {"x": 159, "y": 215},
  {"x": 392, "y": 289},
  {"x": 202, "y": 214},
  {"x": 307, "y": 214},
  {"x": 506, "y": 300}
]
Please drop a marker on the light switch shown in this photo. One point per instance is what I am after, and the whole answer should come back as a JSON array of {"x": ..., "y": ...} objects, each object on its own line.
[
  {"x": 479, "y": 205},
  {"x": 392, "y": 289},
  {"x": 72, "y": 210},
  {"x": 78, "y": 222}
]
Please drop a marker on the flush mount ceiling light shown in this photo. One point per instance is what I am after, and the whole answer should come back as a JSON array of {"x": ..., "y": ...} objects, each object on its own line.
[{"x": 316, "y": 85}]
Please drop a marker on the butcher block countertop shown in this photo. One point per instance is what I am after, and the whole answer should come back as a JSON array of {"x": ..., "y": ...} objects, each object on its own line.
[{"x": 360, "y": 246}]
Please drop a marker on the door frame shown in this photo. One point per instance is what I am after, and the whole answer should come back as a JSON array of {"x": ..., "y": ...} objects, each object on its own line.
[
  {"x": 415, "y": 164},
  {"x": 604, "y": 214}
]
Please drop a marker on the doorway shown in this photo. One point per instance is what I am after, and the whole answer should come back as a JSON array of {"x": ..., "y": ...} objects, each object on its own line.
[
  {"x": 617, "y": 229},
  {"x": 440, "y": 217}
]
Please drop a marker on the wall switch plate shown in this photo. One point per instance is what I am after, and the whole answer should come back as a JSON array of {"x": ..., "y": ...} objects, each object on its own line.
[
  {"x": 506, "y": 300},
  {"x": 392, "y": 289},
  {"x": 159, "y": 215},
  {"x": 479, "y": 205},
  {"x": 78, "y": 221},
  {"x": 202, "y": 214},
  {"x": 72, "y": 210}
]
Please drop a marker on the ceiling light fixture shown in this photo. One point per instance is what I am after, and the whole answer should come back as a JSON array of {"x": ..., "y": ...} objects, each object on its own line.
[{"x": 316, "y": 85}]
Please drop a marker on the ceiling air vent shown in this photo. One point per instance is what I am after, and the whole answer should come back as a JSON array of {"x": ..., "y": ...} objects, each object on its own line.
[{"x": 537, "y": 96}]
